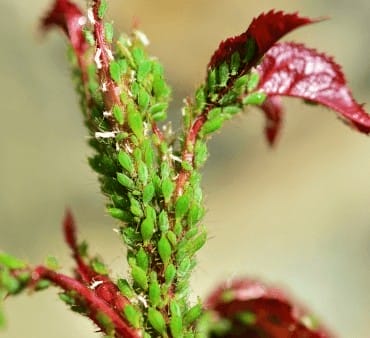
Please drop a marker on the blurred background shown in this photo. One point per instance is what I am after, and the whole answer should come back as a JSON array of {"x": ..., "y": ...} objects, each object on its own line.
[{"x": 297, "y": 216}]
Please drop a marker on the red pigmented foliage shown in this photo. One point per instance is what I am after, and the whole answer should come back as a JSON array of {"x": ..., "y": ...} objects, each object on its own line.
[
  {"x": 69, "y": 17},
  {"x": 265, "y": 30},
  {"x": 291, "y": 69},
  {"x": 255, "y": 311}
]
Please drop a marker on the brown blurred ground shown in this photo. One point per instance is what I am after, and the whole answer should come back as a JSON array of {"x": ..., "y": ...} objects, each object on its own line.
[{"x": 297, "y": 216}]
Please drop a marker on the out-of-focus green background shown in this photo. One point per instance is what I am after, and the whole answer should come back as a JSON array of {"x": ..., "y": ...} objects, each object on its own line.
[{"x": 297, "y": 216}]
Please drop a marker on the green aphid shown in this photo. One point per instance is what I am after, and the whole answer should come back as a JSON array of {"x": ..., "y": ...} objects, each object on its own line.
[
  {"x": 167, "y": 189},
  {"x": 52, "y": 263},
  {"x": 125, "y": 181},
  {"x": 157, "y": 321},
  {"x": 142, "y": 171},
  {"x": 158, "y": 107},
  {"x": 135, "y": 121},
  {"x": 172, "y": 238},
  {"x": 155, "y": 293},
  {"x": 135, "y": 207},
  {"x": 223, "y": 74},
  {"x": 150, "y": 212},
  {"x": 175, "y": 308},
  {"x": 200, "y": 98},
  {"x": 67, "y": 298},
  {"x": 164, "y": 250},
  {"x": 165, "y": 169},
  {"x": 231, "y": 110},
  {"x": 138, "y": 154},
  {"x": 118, "y": 114},
  {"x": 102, "y": 8},
  {"x": 193, "y": 314},
  {"x": 159, "y": 116},
  {"x": 235, "y": 63},
  {"x": 196, "y": 243},
  {"x": 120, "y": 214},
  {"x": 99, "y": 267},
  {"x": 120, "y": 201},
  {"x": 201, "y": 153},
  {"x": 147, "y": 229},
  {"x": 115, "y": 71},
  {"x": 123, "y": 66},
  {"x": 132, "y": 315},
  {"x": 11, "y": 262},
  {"x": 142, "y": 259},
  {"x": 254, "y": 79},
  {"x": 144, "y": 69},
  {"x": 184, "y": 268},
  {"x": 229, "y": 98},
  {"x": 163, "y": 221},
  {"x": 186, "y": 165},
  {"x": 211, "y": 126},
  {"x": 42, "y": 284},
  {"x": 130, "y": 236},
  {"x": 135, "y": 88},
  {"x": 214, "y": 113},
  {"x": 177, "y": 229},
  {"x": 191, "y": 233},
  {"x": 251, "y": 49},
  {"x": 108, "y": 31},
  {"x": 195, "y": 214},
  {"x": 125, "y": 288},
  {"x": 247, "y": 318},
  {"x": 176, "y": 327},
  {"x": 169, "y": 273},
  {"x": 160, "y": 88},
  {"x": 126, "y": 162},
  {"x": 148, "y": 152},
  {"x": 139, "y": 276},
  {"x": 8, "y": 282},
  {"x": 138, "y": 55},
  {"x": 256, "y": 98},
  {"x": 211, "y": 80},
  {"x": 182, "y": 206},
  {"x": 240, "y": 83},
  {"x": 89, "y": 36},
  {"x": 148, "y": 192},
  {"x": 143, "y": 99}
]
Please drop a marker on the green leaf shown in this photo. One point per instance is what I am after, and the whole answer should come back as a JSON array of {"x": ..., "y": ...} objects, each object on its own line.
[
  {"x": 118, "y": 114},
  {"x": 126, "y": 162},
  {"x": 156, "y": 320},
  {"x": 102, "y": 9},
  {"x": 148, "y": 192},
  {"x": 126, "y": 181},
  {"x": 147, "y": 229},
  {"x": 11, "y": 262},
  {"x": 139, "y": 277},
  {"x": 164, "y": 250},
  {"x": 132, "y": 315}
]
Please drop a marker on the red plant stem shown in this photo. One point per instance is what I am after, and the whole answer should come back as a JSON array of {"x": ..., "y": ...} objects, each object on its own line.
[
  {"x": 157, "y": 131},
  {"x": 95, "y": 304},
  {"x": 111, "y": 93}
]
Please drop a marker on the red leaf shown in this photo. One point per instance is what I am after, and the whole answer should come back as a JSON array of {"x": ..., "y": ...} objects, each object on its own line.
[
  {"x": 255, "y": 310},
  {"x": 273, "y": 112},
  {"x": 291, "y": 69},
  {"x": 265, "y": 30},
  {"x": 69, "y": 17}
]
